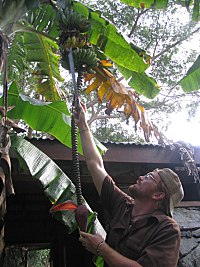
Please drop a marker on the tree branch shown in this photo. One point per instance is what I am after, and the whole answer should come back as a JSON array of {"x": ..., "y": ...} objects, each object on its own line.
[
  {"x": 95, "y": 115},
  {"x": 173, "y": 45},
  {"x": 110, "y": 117},
  {"x": 136, "y": 21},
  {"x": 158, "y": 40},
  {"x": 92, "y": 103}
]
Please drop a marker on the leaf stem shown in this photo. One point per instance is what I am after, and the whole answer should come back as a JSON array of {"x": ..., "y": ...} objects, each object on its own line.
[{"x": 22, "y": 28}]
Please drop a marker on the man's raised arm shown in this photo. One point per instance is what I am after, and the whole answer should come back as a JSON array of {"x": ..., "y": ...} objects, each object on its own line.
[{"x": 90, "y": 152}]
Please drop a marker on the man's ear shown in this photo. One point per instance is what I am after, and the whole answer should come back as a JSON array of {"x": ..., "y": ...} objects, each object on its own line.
[{"x": 158, "y": 196}]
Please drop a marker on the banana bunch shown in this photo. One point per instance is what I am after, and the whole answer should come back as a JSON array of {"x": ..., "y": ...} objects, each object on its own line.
[
  {"x": 70, "y": 20},
  {"x": 73, "y": 41},
  {"x": 85, "y": 60}
]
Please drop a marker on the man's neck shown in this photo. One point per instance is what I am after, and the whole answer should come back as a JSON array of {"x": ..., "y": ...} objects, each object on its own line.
[{"x": 142, "y": 209}]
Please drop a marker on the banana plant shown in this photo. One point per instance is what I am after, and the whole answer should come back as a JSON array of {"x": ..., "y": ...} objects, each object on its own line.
[
  {"x": 31, "y": 31},
  {"x": 34, "y": 28}
]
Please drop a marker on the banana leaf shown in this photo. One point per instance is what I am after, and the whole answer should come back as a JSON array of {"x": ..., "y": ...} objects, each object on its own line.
[
  {"x": 39, "y": 49},
  {"x": 16, "y": 57},
  {"x": 146, "y": 3},
  {"x": 162, "y": 4},
  {"x": 53, "y": 118},
  {"x": 191, "y": 82},
  {"x": 30, "y": 46},
  {"x": 140, "y": 82},
  {"x": 56, "y": 184}
]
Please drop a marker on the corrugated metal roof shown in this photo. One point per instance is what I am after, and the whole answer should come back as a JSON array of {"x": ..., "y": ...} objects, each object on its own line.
[{"x": 132, "y": 143}]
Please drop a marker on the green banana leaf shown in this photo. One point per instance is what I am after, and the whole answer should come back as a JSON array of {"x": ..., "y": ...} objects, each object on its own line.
[
  {"x": 56, "y": 184},
  {"x": 191, "y": 82},
  {"x": 43, "y": 20},
  {"x": 39, "y": 49},
  {"x": 53, "y": 118},
  {"x": 11, "y": 11},
  {"x": 162, "y": 4},
  {"x": 16, "y": 57},
  {"x": 195, "y": 14},
  {"x": 146, "y": 3},
  {"x": 111, "y": 43},
  {"x": 33, "y": 47},
  {"x": 43, "y": 51},
  {"x": 140, "y": 82}
]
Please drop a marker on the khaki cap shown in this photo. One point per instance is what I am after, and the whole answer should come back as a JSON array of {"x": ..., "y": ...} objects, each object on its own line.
[{"x": 173, "y": 185}]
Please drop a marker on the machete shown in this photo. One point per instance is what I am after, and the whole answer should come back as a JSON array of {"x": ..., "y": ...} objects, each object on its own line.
[{"x": 71, "y": 64}]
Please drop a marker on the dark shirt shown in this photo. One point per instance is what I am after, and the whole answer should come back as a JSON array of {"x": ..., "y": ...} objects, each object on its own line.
[{"x": 153, "y": 241}]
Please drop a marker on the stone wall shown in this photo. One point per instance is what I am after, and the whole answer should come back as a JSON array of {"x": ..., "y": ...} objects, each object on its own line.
[{"x": 189, "y": 223}]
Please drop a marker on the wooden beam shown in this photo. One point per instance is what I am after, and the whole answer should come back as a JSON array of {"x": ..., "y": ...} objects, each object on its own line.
[
  {"x": 185, "y": 204},
  {"x": 116, "y": 152}
]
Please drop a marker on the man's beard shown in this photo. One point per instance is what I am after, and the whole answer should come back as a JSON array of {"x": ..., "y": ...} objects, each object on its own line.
[
  {"x": 133, "y": 190},
  {"x": 138, "y": 193}
]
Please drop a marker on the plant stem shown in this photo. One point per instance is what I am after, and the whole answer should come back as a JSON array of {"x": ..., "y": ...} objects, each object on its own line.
[{"x": 16, "y": 27}]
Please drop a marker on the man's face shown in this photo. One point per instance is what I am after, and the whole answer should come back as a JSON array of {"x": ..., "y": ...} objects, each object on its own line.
[{"x": 145, "y": 186}]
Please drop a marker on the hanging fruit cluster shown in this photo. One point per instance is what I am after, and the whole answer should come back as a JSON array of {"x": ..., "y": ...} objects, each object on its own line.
[{"x": 74, "y": 28}]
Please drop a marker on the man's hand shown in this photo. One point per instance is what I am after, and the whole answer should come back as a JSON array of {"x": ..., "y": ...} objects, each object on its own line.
[
  {"x": 90, "y": 242},
  {"x": 112, "y": 257},
  {"x": 80, "y": 116}
]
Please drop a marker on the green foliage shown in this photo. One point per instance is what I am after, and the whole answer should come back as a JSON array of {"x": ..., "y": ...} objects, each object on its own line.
[
  {"x": 163, "y": 4},
  {"x": 153, "y": 30},
  {"x": 53, "y": 118},
  {"x": 56, "y": 184},
  {"x": 15, "y": 256},
  {"x": 39, "y": 49},
  {"x": 192, "y": 80},
  {"x": 157, "y": 32}
]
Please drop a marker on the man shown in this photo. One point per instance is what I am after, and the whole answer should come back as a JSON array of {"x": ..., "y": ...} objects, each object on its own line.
[{"x": 142, "y": 232}]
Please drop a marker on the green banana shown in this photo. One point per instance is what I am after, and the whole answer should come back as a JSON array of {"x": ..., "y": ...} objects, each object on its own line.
[
  {"x": 70, "y": 17},
  {"x": 58, "y": 16},
  {"x": 78, "y": 19},
  {"x": 83, "y": 20},
  {"x": 68, "y": 44},
  {"x": 93, "y": 62},
  {"x": 66, "y": 12},
  {"x": 85, "y": 28},
  {"x": 80, "y": 53},
  {"x": 91, "y": 71},
  {"x": 73, "y": 43},
  {"x": 64, "y": 20},
  {"x": 92, "y": 66},
  {"x": 82, "y": 43},
  {"x": 75, "y": 56},
  {"x": 88, "y": 55},
  {"x": 84, "y": 54},
  {"x": 74, "y": 16}
]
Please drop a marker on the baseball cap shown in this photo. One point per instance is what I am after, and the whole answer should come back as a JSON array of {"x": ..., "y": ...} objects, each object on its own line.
[{"x": 173, "y": 185}]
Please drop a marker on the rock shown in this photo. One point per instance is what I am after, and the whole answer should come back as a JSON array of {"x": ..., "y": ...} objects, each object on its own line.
[
  {"x": 196, "y": 233},
  {"x": 187, "y": 245},
  {"x": 187, "y": 218},
  {"x": 192, "y": 259}
]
